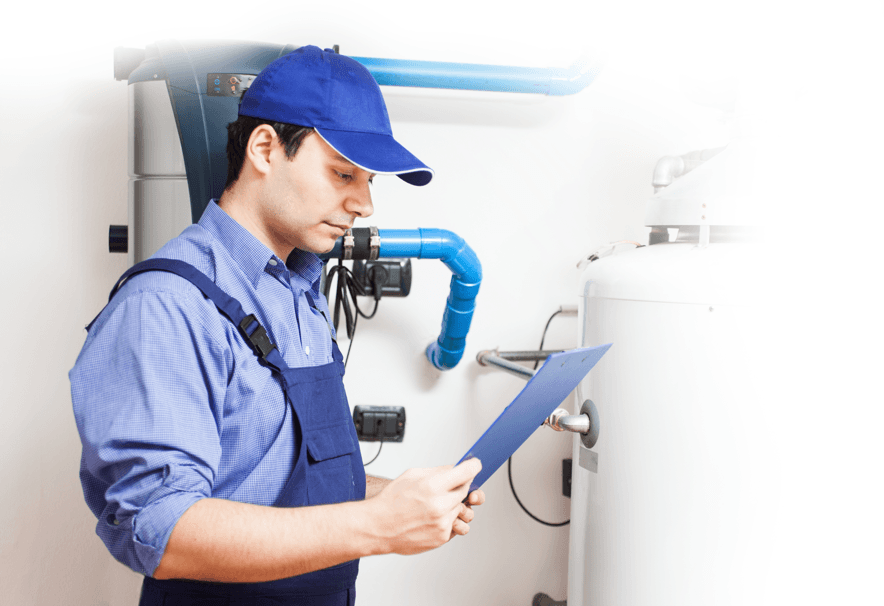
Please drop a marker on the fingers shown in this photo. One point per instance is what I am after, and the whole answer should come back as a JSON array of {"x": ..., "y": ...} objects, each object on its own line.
[
  {"x": 459, "y": 528},
  {"x": 466, "y": 514},
  {"x": 477, "y": 497},
  {"x": 456, "y": 477}
]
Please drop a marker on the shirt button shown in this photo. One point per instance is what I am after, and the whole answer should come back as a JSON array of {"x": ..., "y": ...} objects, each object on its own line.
[
  {"x": 307, "y": 350},
  {"x": 273, "y": 262}
]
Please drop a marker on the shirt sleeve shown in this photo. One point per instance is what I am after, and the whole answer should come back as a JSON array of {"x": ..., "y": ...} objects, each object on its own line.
[{"x": 148, "y": 392}]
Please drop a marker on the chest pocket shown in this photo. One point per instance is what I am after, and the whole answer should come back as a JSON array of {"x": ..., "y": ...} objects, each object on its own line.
[
  {"x": 330, "y": 477},
  {"x": 331, "y": 444}
]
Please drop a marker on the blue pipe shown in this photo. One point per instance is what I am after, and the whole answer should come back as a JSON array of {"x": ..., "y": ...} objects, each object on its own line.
[
  {"x": 470, "y": 76},
  {"x": 429, "y": 243}
]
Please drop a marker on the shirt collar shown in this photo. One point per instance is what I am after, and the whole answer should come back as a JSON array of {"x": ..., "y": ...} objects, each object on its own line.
[
  {"x": 251, "y": 254},
  {"x": 307, "y": 265}
]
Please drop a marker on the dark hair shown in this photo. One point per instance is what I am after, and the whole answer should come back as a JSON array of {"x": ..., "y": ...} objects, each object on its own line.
[{"x": 238, "y": 133}]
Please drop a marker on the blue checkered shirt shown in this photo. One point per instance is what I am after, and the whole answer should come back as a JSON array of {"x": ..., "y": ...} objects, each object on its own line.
[{"x": 173, "y": 406}]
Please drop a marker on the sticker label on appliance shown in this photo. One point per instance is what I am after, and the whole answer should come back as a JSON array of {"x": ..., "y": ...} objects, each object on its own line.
[{"x": 589, "y": 460}]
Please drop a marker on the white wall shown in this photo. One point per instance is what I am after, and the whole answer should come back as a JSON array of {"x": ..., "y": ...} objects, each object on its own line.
[{"x": 532, "y": 183}]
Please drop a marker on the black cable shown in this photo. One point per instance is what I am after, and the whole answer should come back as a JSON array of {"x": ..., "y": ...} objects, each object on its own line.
[
  {"x": 543, "y": 337},
  {"x": 509, "y": 473},
  {"x": 346, "y": 291},
  {"x": 509, "y": 462},
  {"x": 376, "y": 456},
  {"x": 350, "y": 344}
]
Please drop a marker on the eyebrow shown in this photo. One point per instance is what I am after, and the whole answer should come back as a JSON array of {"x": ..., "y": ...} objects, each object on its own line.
[{"x": 343, "y": 159}]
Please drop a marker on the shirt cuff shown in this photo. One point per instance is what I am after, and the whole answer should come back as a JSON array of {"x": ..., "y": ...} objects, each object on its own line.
[{"x": 152, "y": 526}]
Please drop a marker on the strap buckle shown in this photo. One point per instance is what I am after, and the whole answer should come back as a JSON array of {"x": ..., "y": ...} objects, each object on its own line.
[{"x": 258, "y": 338}]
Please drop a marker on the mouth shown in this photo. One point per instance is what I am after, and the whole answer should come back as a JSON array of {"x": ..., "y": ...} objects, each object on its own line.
[{"x": 342, "y": 228}]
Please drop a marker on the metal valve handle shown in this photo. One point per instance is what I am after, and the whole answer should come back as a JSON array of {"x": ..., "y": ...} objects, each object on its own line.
[
  {"x": 585, "y": 423},
  {"x": 562, "y": 420}
]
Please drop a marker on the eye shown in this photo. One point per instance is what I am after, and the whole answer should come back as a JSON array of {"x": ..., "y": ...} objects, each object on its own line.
[
  {"x": 371, "y": 180},
  {"x": 344, "y": 176}
]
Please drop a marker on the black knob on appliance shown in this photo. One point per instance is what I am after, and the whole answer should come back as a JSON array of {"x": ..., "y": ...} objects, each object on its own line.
[{"x": 118, "y": 239}]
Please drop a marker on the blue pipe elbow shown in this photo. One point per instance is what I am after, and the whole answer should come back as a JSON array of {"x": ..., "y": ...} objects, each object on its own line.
[{"x": 446, "y": 351}]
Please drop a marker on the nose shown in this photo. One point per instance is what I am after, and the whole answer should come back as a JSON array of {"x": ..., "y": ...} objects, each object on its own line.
[{"x": 359, "y": 202}]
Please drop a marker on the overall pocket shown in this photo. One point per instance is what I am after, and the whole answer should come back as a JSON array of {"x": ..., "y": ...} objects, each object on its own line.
[{"x": 330, "y": 474}]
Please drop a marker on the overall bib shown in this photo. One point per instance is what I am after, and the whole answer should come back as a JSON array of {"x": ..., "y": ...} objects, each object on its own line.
[{"x": 328, "y": 466}]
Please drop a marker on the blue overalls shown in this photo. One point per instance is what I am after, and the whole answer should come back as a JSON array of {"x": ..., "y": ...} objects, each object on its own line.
[{"x": 322, "y": 420}]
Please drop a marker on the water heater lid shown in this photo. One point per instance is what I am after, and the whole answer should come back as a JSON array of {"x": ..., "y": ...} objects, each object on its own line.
[{"x": 723, "y": 274}]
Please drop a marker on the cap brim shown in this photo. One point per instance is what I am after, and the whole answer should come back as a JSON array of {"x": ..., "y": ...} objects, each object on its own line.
[{"x": 378, "y": 153}]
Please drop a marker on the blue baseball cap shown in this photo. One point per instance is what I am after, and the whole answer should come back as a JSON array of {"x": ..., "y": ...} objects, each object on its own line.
[{"x": 340, "y": 99}]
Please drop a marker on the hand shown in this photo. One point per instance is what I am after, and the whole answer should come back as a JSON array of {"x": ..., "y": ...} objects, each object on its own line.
[
  {"x": 422, "y": 508},
  {"x": 466, "y": 515}
]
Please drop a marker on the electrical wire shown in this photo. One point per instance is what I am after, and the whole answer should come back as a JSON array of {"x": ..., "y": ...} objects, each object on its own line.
[
  {"x": 346, "y": 291},
  {"x": 509, "y": 474},
  {"x": 543, "y": 337},
  {"x": 509, "y": 462},
  {"x": 350, "y": 344},
  {"x": 376, "y": 455}
]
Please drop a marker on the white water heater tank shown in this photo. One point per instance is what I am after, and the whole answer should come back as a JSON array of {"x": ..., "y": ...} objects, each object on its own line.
[{"x": 664, "y": 505}]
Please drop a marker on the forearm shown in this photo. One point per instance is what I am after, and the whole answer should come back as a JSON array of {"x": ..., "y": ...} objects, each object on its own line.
[
  {"x": 219, "y": 540},
  {"x": 374, "y": 485}
]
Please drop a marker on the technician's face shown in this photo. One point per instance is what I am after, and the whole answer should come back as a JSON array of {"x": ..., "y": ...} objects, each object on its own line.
[{"x": 314, "y": 197}]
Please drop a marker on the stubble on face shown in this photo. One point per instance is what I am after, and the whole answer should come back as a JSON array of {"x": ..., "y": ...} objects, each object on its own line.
[{"x": 312, "y": 197}]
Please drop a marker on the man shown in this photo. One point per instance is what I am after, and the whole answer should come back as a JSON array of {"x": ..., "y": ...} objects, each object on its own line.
[{"x": 218, "y": 451}]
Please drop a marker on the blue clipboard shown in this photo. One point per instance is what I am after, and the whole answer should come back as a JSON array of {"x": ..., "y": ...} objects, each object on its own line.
[{"x": 543, "y": 393}]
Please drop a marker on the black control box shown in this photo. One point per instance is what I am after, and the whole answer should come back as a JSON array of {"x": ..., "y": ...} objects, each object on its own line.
[
  {"x": 392, "y": 274},
  {"x": 379, "y": 423},
  {"x": 566, "y": 477}
]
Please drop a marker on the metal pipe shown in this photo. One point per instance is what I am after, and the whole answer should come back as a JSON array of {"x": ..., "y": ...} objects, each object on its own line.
[
  {"x": 489, "y": 358},
  {"x": 561, "y": 420},
  {"x": 527, "y": 356}
]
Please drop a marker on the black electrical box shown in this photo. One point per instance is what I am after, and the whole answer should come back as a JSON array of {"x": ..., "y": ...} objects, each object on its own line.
[
  {"x": 379, "y": 423},
  {"x": 566, "y": 477},
  {"x": 392, "y": 275}
]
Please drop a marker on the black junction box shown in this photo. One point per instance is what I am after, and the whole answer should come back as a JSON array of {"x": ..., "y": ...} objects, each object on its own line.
[
  {"x": 393, "y": 274},
  {"x": 379, "y": 423},
  {"x": 566, "y": 477}
]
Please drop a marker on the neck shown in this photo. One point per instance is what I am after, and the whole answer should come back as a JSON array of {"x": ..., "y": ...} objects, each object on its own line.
[{"x": 240, "y": 206}]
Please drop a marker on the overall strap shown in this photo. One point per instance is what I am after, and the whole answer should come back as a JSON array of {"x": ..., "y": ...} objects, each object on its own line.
[{"x": 247, "y": 324}]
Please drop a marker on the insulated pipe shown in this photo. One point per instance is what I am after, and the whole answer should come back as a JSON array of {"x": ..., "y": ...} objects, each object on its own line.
[
  {"x": 473, "y": 76},
  {"x": 429, "y": 243}
]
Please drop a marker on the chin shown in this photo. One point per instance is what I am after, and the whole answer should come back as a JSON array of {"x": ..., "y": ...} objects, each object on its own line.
[{"x": 320, "y": 248}]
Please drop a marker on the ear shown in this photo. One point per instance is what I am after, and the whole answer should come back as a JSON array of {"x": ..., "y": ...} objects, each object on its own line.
[{"x": 260, "y": 147}]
